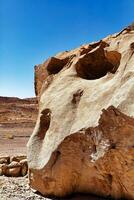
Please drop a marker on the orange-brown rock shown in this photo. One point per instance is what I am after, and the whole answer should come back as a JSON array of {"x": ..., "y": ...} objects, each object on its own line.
[
  {"x": 13, "y": 169},
  {"x": 13, "y": 172},
  {"x": 83, "y": 140}
]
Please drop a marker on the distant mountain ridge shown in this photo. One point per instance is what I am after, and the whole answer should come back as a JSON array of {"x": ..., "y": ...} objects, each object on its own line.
[
  {"x": 16, "y": 99},
  {"x": 16, "y": 110}
]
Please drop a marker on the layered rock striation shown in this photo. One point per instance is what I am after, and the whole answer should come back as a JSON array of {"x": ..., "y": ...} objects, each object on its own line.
[{"x": 83, "y": 140}]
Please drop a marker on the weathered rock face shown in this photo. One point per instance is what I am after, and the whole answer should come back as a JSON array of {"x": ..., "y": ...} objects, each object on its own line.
[{"x": 84, "y": 136}]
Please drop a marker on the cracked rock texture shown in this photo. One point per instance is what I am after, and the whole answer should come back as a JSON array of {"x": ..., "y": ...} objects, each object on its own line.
[{"x": 83, "y": 140}]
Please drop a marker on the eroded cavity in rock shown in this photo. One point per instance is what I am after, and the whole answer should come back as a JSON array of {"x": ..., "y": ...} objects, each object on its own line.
[
  {"x": 51, "y": 66},
  {"x": 44, "y": 123},
  {"x": 97, "y": 63}
]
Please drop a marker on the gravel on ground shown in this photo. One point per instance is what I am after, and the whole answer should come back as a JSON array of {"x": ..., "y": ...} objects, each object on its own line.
[{"x": 12, "y": 188}]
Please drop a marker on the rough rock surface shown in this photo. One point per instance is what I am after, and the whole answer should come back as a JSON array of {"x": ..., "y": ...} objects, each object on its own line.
[{"x": 84, "y": 136}]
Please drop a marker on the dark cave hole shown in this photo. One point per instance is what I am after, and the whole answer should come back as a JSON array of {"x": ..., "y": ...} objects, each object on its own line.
[
  {"x": 110, "y": 178},
  {"x": 113, "y": 146},
  {"x": 132, "y": 45},
  {"x": 55, "y": 65},
  {"x": 97, "y": 64},
  {"x": 77, "y": 96},
  {"x": 44, "y": 123}
]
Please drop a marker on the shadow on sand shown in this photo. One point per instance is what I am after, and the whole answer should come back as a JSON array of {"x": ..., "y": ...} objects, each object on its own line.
[
  {"x": 79, "y": 197},
  {"x": 82, "y": 197}
]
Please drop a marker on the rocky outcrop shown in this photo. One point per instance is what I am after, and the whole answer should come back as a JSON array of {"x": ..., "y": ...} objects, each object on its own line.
[{"x": 84, "y": 135}]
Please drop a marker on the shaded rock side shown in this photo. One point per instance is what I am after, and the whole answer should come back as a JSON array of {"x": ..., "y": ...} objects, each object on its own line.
[{"x": 72, "y": 148}]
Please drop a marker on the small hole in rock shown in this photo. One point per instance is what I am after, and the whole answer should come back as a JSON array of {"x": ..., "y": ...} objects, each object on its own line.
[
  {"x": 132, "y": 45},
  {"x": 110, "y": 178},
  {"x": 77, "y": 96},
  {"x": 113, "y": 146},
  {"x": 94, "y": 149}
]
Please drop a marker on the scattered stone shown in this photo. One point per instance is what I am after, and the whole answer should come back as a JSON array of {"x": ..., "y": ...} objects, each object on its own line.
[
  {"x": 17, "y": 158},
  {"x": 9, "y": 136},
  {"x": 1, "y": 169},
  {"x": 14, "y": 166},
  {"x": 4, "y": 160},
  {"x": 14, "y": 171},
  {"x": 24, "y": 167}
]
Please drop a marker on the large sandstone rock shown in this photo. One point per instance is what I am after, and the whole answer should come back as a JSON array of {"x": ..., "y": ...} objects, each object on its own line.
[{"x": 84, "y": 136}]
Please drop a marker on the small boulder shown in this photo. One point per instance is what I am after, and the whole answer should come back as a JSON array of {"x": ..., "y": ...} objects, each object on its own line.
[
  {"x": 24, "y": 167},
  {"x": 13, "y": 169},
  {"x": 14, "y": 172},
  {"x": 4, "y": 160},
  {"x": 1, "y": 169},
  {"x": 17, "y": 158}
]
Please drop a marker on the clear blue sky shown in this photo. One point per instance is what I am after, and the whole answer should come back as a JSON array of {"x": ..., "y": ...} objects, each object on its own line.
[{"x": 33, "y": 30}]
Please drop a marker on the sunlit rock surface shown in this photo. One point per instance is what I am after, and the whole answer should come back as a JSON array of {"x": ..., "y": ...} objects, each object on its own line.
[{"x": 84, "y": 136}]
